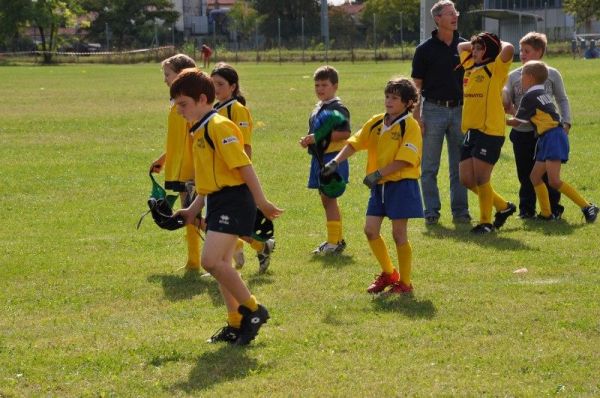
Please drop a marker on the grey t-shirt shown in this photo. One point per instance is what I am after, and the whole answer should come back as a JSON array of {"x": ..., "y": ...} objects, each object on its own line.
[{"x": 554, "y": 87}]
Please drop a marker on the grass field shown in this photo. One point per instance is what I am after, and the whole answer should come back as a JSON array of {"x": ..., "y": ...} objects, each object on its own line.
[{"x": 90, "y": 306}]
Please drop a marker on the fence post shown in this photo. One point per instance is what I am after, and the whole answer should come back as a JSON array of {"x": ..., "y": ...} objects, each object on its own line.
[
  {"x": 256, "y": 39},
  {"x": 279, "y": 37},
  {"x": 374, "y": 39},
  {"x": 303, "y": 44}
]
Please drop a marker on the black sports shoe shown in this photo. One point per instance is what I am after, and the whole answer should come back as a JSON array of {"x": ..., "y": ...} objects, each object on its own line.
[
  {"x": 251, "y": 323},
  {"x": 558, "y": 211},
  {"x": 590, "y": 212},
  {"x": 501, "y": 216},
  {"x": 483, "y": 229},
  {"x": 227, "y": 334},
  {"x": 526, "y": 215}
]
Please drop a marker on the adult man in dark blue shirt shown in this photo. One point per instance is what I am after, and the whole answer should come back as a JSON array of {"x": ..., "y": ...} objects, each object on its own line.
[{"x": 440, "y": 111}]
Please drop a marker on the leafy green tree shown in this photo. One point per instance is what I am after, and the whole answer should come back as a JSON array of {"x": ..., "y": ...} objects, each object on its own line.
[
  {"x": 583, "y": 10},
  {"x": 291, "y": 13},
  {"x": 343, "y": 30},
  {"x": 14, "y": 15},
  {"x": 387, "y": 17},
  {"x": 130, "y": 22},
  {"x": 244, "y": 18}
]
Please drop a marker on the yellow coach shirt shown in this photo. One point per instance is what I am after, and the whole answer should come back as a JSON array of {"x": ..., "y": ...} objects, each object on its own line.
[
  {"x": 217, "y": 168},
  {"x": 179, "y": 166},
  {"x": 384, "y": 144},
  {"x": 482, "y": 107},
  {"x": 240, "y": 115}
]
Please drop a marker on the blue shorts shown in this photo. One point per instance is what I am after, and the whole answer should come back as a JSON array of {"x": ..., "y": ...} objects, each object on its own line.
[
  {"x": 396, "y": 200},
  {"x": 313, "y": 178},
  {"x": 553, "y": 145}
]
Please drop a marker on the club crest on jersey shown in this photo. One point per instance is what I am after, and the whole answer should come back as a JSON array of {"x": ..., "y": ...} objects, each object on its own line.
[
  {"x": 224, "y": 219},
  {"x": 229, "y": 140},
  {"x": 201, "y": 143},
  {"x": 479, "y": 78}
]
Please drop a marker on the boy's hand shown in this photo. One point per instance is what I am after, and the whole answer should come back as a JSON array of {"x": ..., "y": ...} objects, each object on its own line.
[
  {"x": 307, "y": 140},
  {"x": 329, "y": 168},
  {"x": 270, "y": 210},
  {"x": 157, "y": 165},
  {"x": 372, "y": 179},
  {"x": 512, "y": 122},
  {"x": 188, "y": 216}
]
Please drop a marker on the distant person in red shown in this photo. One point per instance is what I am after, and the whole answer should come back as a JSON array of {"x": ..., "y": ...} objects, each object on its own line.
[{"x": 206, "y": 53}]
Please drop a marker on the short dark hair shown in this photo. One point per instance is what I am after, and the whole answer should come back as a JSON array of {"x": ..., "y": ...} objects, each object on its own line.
[
  {"x": 405, "y": 89},
  {"x": 490, "y": 42},
  {"x": 193, "y": 83},
  {"x": 326, "y": 72}
]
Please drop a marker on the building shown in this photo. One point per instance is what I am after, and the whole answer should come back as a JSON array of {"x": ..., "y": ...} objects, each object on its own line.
[{"x": 197, "y": 16}]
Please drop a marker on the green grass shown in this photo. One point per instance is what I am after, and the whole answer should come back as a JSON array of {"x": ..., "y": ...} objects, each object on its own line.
[{"x": 90, "y": 306}]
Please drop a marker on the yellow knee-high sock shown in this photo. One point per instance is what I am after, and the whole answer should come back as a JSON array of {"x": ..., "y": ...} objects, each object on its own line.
[
  {"x": 234, "y": 319},
  {"x": 380, "y": 252},
  {"x": 572, "y": 194},
  {"x": 541, "y": 192},
  {"x": 251, "y": 303},
  {"x": 334, "y": 230},
  {"x": 193, "y": 246},
  {"x": 486, "y": 202},
  {"x": 404, "y": 261},
  {"x": 257, "y": 245},
  {"x": 499, "y": 202}
]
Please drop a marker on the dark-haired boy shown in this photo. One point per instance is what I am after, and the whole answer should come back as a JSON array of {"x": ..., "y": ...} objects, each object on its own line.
[
  {"x": 395, "y": 147},
  {"x": 326, "y": 84}
]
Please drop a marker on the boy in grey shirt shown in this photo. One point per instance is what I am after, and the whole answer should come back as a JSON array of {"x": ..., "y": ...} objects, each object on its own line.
[{"x": 523, "y": 137}]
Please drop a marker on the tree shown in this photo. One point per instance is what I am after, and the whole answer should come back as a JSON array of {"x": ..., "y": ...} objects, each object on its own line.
[
  {"x": 14, "y": 15},
  {"x": 387, "y": 16},
  {"x": 583, "y": 10},
  {"x": 342, "y": 28},
  {"x": 131, "y": 22},
  {"x": 291, "y": 13},
  {"x": 245, "y": 18}
]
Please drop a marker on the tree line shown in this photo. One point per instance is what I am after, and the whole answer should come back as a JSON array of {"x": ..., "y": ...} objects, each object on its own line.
[{"x": 127, "y": 24}]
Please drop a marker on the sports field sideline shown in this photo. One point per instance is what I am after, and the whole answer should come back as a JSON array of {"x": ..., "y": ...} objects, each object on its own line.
[{"x": 93, "y": 307}]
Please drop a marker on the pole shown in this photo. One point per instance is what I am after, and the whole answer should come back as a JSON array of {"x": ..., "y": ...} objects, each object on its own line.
[
  {"x": 401, "y": 37},
  {"x": 215, "y": 39},
  {"x": 256, "y": 39},
  {"x": 325, "y": 26},
  {"x": 302, "y": 22},
  {"x": 279, "y": 37},
  {"x": 374, "y": 38},
  {"x": 107, "y": 39}
]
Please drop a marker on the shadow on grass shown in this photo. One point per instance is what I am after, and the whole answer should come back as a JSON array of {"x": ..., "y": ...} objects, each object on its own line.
[
  {"x": 333, "y": 260},
  {"x": 186, "y": 286},
  {"x": 407, "y": 305},
  {"x": 558, "y": 227},
  {"x": 215, "y": 367},
  {"x": 257, "y": 279},
  {"x": 462, "y": 234}
]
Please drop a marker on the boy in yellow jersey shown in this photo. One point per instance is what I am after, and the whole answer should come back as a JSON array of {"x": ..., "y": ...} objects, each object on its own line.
[
  {"x": 232, "y": 105},
  {"x": 177, "y": 159},
  {"x": 394, "y": 144},
  {"x": 552, "y": 149},
  {"x": 486, "y": 61},
  {"x": 326, "y": 84},
  {"x": 225, "y": 177}
]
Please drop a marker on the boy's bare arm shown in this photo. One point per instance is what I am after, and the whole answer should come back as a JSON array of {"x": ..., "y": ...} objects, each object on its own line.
[
  {"x": 339, "y": 135},
  {"x": 465, "y": 46},
  {"x": 393, "y": 167},
  {"x": 507, "y": 51}
]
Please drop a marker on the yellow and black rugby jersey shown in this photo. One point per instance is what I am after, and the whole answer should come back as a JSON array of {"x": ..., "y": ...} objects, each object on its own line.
[
  {"x": 332, "y": 104},
  {"x": 218, "y": 149},
  {"x": 384, "y": 144},
  {"x": 240, "y": 115},
  {"x": 537, "y": 107},
  {"x": 179, "y": 166},
  {"x": 482, "y": 107}
]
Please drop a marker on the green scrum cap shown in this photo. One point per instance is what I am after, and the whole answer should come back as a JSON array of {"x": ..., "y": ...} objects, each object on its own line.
[{"x": 332, "y": 186}]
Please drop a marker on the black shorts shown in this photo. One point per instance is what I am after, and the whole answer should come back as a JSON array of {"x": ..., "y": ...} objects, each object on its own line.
[
  {"x": 477, "y": 144},
  {"x": 231, "y": 210}
]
